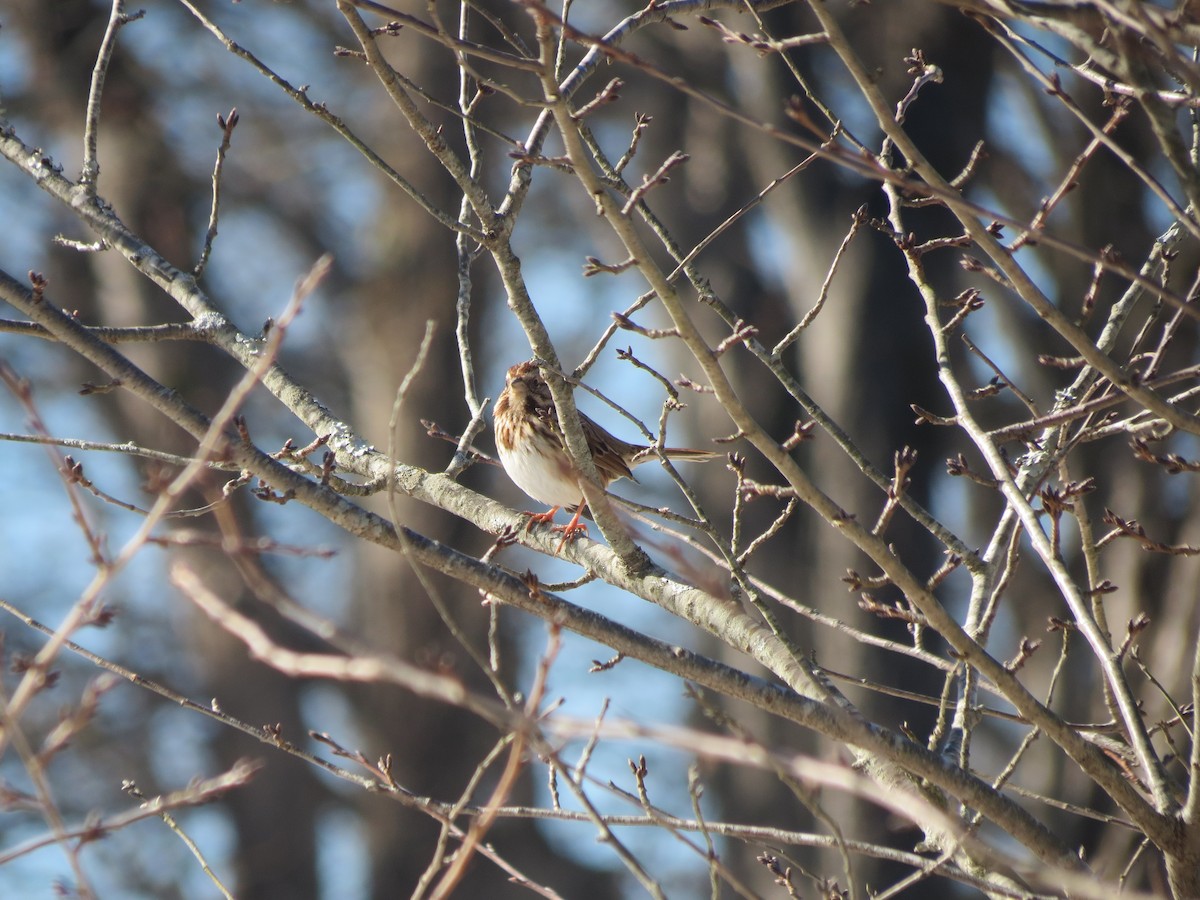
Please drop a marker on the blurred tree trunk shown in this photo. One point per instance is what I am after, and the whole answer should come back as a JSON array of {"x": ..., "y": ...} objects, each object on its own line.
[
  {"x": 864, "y": 360},
  {"x": 409, "y": 278},
  {"x": 274, "y": 818}
]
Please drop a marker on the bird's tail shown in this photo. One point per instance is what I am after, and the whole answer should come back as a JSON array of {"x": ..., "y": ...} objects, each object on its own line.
[{"x": 688, "y": 454}]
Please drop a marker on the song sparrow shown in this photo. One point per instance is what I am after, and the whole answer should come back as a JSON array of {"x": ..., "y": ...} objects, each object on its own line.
[{"x": 534, "y": 455}]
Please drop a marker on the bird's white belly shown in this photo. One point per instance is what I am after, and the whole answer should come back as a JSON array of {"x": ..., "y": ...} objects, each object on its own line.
[{"x": 547, "y": 478}]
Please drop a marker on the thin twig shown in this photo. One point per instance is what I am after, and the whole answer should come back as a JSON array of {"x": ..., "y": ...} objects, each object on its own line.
[
  {"x": 116, "y": 20},
  {"x": 227, "y": 124}
]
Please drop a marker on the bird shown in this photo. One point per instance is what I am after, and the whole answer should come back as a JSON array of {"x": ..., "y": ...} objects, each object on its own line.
[{"x": 533, "y": 451}]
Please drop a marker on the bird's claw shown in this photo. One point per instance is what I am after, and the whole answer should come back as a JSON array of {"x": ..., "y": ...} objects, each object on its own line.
[
  {"x": 571, "y": 532},
  {"x": 542, "y": 518}
]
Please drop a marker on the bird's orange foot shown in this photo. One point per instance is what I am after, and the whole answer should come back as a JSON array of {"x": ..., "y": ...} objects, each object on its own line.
[
  {"x": 541, "y": 518},
  {"x": 570, "y": 533},
  {"x": 573, "y": 530}
]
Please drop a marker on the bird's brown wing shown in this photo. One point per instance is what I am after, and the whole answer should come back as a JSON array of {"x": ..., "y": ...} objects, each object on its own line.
[{"x": 610, "y": 453}]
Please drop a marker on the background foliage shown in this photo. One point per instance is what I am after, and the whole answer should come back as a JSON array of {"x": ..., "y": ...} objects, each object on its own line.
[{"x": 926, "y": 271}]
